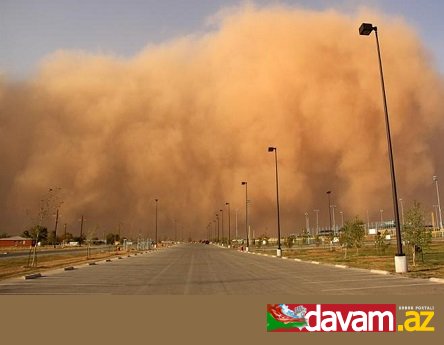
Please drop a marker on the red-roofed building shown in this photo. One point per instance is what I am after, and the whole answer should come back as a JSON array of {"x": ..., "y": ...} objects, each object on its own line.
[{"x": 15, "y": 241}]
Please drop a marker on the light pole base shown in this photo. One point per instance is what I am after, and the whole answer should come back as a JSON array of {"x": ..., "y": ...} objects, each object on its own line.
[
  {"x": 401, "y": 264},
  {"x": 279, "y": 253},
  {"x": 246, "y": 249}
]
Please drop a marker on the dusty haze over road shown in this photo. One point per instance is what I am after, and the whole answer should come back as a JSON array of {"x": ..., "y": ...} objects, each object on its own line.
[{"x": 186, "y": 121}]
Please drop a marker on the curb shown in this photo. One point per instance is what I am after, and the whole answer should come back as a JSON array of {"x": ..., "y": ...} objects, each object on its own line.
[
  {"x": 33, "y": 276},
  {"x": 380, "y": 272},
  {"x": 437, "y": 280},
  {"x": 341, "y": 266}
]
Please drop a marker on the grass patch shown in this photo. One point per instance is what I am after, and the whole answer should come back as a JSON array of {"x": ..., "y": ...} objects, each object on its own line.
[
  {"x": 368, "y": 258},
  {"x": 17, "y": 266}
]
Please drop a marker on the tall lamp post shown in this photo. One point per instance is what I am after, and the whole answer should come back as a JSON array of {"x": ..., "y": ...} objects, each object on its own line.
[
  {"x": 334, "y": 219},
  {"x": 244, "y": 183},
  {"x": 222, "y": 231},
  {"x": 156, "y": 200},
  {"x": 402, "y": 212},
  {"x": 435, "y": 178},
  {"x": 229, "y": 224},
  {"x": 279, "y": 250},
  {"x": 81, "y": 230},
  {"x": 317, "y": 221},
  {"x": 218, "y": 227},
  {"x": 329, "y": 209},
  {"x": 400, "y": 259},
  {"x": 215, "y": 231}
]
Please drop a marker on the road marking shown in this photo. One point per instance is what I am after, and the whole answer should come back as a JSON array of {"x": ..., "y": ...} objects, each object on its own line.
[
  {"x": 189, "y": 275},
  {"x": 344, "y": 280},
  {"x": 378, "y": 287}
]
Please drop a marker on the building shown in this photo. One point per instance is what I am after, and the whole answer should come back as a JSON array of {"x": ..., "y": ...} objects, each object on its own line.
[{"x": 16, "y": 241}]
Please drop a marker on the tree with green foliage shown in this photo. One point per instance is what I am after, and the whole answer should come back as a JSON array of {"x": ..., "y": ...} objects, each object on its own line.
[
  {"x": 317, "y": 240},
  {"x": 38, "y": 233},
  {"x": 352, "y": 235},
  {"x": 380, "y": 243},
  {"x": 415, "y": 233},
  {"x": 305, "y": 237},
  {"x": 112, "y": 238},
  {"x": 291, "y": 240}
]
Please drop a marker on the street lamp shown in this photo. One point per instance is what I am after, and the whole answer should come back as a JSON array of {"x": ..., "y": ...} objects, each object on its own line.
[
  {"x": 307, "y": 223},
  {"x": 279, "y": 250},
  {"x": 400, "y": 259},
  {"x": 435, "y": 178},
  {"x": 218, "y": 227},
  {"x": 215, "y": 231},
  {"x": 329, "y": 209},
  {"x": 229, "y": 224},
  {"x": 156, "y": 200},
  {"x": 55, "y": 227},
  {"x": 436, "y": 217},
  {"x": 334, "y": 219},
  {"x": 402, "y": 211},
  {"x": 222, "y": 232},
  {"x": 317, "y": 221},
  {"x": 81, "y": 230},
  {"x": 244, "y": 183}
]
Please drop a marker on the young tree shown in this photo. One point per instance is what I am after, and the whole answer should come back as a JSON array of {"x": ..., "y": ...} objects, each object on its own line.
[
  {"x": 352, "y": 235},
  {"x": 380, "y": 242},
  {"x": 416, "y": 235},
  {"x": 291, "y": 240}
]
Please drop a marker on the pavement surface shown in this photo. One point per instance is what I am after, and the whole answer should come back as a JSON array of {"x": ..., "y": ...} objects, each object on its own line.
[{"x": 199, "y": 269}]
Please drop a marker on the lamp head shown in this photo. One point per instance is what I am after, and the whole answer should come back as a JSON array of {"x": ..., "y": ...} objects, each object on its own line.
[
  {"x": 243, "y": 183},
  {"x": 366, "y": 29},
  {"x": 271, "y": 149}
]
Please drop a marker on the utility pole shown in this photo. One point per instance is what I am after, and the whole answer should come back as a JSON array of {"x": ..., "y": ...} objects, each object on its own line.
[
  {"x": 81, "y": 232},
  {"x": 55, "y": 228}
]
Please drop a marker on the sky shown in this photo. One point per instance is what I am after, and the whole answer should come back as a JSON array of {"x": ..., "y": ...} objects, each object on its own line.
[
  {"x": 117, "y": 103},
  {"x": 30, "y": 30}
]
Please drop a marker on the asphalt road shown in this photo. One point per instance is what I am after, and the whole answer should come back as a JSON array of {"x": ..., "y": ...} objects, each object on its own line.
[{"x": 198, "y": 269}]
